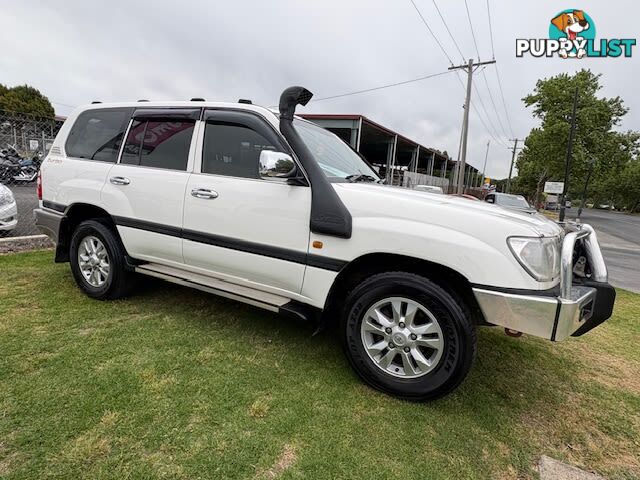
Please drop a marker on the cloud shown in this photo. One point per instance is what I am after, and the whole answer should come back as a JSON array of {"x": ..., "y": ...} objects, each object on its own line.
[{"x": 77, "y": 51}]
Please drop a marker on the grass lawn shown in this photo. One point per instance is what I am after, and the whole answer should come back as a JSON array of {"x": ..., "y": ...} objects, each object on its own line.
[{"x": 176, "y": 383}]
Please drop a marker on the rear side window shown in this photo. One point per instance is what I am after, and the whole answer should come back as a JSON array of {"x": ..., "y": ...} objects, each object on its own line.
[
  {"x": 97, "y": 134},
  {"x": 158, "y": 143}
]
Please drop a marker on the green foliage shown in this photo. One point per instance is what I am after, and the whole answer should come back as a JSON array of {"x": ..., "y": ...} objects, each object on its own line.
[
  {"x": 544, "y": 155},
  {"x": 175, "y": 383},
  {"x": 25, "y": 99}
]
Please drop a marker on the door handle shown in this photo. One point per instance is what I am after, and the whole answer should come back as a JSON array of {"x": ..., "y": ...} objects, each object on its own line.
[
  {"x": 204, "y": 193},
  {"x": 120, "y": 181}
]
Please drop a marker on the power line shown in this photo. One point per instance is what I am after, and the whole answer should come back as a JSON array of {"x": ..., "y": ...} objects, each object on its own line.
[
  {"x": 486, "y": 112},
  {"x": 493, "y": 103},
  {"x": 487, "y": 129},
  {"x": 504, "y": 103},
  {"x": 449, "y": 31},
  {"x": 431, "y": 32},
  {"x": 493, "y": 51},
  {"x": 473, "y": 35},
  {"x": 450, "y": 61},
  {"x": 389, "y": 85},
  {"x": 484, "y": 75}
]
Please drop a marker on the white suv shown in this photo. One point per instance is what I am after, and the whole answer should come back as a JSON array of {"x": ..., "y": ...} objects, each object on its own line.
[{"x": 262, "y": 207}]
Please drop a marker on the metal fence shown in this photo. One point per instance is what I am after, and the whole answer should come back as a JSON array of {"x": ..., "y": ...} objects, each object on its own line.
[
  {"x": 411, "y": 179},
  {"x": 25, "y": 141}
]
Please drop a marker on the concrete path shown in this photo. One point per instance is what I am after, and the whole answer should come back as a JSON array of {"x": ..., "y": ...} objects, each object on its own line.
[{"x": 551, "y": 469}]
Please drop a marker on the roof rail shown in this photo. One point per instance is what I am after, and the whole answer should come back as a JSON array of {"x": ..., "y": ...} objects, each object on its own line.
[
  {"x": 197, "y": 99},
  {"x": 95, "y": 101},
  {"x": 245, "y": 100},
  {"x": 143, "y": 100}
]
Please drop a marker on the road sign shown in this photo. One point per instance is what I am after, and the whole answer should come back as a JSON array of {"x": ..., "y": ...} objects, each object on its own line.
[{"x": 553, "y": 187}]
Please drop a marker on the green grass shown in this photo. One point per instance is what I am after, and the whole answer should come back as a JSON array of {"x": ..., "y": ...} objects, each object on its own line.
[{"x": 175, "y": 383}]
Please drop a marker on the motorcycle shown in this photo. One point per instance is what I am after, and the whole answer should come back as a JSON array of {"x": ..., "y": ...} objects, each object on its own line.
[{"x": 15, "y": 168}]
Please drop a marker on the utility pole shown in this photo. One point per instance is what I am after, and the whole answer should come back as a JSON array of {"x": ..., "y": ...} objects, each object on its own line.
[
  {"x": 567, "y": 169},
  {"x": 513, "y": 159},
  {"x": 469, "y": 68},
  {"x": 484, "y": 168}
]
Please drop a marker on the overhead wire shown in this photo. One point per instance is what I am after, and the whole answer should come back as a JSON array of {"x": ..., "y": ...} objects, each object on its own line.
[
  {"x": 380, "y": 87},
  {"x": 493, "y": 54}
]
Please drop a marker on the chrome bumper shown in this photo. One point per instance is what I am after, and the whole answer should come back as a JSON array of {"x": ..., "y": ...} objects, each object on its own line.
[{"x": 555, "y": 317}]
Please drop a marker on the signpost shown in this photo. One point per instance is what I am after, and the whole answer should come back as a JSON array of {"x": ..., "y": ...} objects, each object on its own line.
[{"x": 554, "y": 187}]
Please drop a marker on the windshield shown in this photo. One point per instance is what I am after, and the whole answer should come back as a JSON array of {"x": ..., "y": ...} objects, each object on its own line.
[
  {"x": 337, "y": 160},
  {"x": 512, "y": 201}
]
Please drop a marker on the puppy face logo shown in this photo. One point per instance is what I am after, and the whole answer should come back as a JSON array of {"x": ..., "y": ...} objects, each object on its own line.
[{"x": 571, "y": 25}]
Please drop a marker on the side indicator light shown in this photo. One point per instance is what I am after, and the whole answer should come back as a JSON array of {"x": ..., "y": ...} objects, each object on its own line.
[{"x": 317, "y": 244}]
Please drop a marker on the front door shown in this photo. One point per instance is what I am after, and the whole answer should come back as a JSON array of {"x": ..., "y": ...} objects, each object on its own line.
[
  {"x": 144, "y": 192},
  {"x": 241, "y": 222}
]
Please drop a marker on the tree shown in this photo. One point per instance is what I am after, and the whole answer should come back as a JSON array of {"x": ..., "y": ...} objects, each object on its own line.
[
  {"x": 25, "y": 99},
  {"x": 544, "y": 154}
]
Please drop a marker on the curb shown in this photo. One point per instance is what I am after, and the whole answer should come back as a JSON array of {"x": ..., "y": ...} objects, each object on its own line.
[
  {"x": 21, "y": 239},
  {"x": 24, "y": 244}
]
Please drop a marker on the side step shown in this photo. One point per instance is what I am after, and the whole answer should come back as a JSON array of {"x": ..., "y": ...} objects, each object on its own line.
[{"x": 257, "y": 298}]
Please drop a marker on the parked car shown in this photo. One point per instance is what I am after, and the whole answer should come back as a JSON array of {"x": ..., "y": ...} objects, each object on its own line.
[
  {"x": 510, "y": 201},
  {"x": 274, "y": 211},
  {"x": 8, "y": 210},
  {"x": 428, "y": 188}
]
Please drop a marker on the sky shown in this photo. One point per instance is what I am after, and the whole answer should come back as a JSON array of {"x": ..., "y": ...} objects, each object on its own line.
[{"x": 78, "y": 51}]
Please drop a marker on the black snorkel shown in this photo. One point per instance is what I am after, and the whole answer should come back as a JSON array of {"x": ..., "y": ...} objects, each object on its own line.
[{"x": 329, "y": 216}]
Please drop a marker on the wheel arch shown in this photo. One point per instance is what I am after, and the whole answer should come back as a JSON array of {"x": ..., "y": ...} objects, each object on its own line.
[
  {"x": 374, "y": 263},
  {"x": 74, "y": 214}
]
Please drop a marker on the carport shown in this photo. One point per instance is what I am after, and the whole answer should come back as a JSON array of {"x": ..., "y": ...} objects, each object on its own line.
[{"x": 392, "y": 153}]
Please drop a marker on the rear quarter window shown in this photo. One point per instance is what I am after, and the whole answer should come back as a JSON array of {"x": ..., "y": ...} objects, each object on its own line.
[{"x": 97, "y": 134}]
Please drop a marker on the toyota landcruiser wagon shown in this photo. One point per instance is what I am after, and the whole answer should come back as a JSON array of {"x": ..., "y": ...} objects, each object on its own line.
[{"x": 263, "y": 207}]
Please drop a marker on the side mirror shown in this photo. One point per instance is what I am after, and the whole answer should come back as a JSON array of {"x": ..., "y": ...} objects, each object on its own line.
[
  {"x": 280, "y": 165},
  {"x": 489, "y": 200}
]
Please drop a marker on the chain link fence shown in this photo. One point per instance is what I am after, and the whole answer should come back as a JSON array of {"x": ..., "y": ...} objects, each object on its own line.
[{"x": 25, "y": 141}]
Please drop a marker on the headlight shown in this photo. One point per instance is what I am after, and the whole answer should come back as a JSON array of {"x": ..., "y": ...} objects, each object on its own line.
[
  {"x": 6, "y": 197},
  {"x": 540, "y": 256}
]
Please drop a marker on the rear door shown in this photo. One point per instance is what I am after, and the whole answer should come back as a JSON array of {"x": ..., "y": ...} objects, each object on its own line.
[
  {"x": 242, "y": 222},
  {"x": 76, "y": 171},
  {"x": 144, "y": 192}
]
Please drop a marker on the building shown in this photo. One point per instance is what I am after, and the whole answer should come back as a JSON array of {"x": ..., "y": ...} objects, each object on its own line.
[{"x": 392, "y": 153}]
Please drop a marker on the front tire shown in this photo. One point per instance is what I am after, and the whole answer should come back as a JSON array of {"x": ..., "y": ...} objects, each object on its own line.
[
  {"x": 97, "y": 260},
  {"x": 406, "y": 336}
]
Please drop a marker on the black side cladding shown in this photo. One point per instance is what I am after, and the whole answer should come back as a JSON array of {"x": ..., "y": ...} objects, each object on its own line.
[{"x": 329, "y": 216}]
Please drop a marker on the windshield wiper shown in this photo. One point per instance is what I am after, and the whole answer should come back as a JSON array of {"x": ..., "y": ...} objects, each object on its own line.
[{"x": 360, "y": 177}]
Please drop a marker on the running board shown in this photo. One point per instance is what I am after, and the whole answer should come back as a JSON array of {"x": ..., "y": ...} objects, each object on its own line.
[{"x": 257, "y": 298}]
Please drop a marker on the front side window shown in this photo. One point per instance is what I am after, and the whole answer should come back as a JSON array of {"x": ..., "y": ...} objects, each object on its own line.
[
  {"x": 233, "y": 149},
  {"x": 337, "y": 160},
  {"x": 97, "y": 134},
  {"x": 158, "y": 143}
]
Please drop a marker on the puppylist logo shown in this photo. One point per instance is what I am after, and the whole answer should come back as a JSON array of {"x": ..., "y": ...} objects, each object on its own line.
[{"x": 572, "y": 34}]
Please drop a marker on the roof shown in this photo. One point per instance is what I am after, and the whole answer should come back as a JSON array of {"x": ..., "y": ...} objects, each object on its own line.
[{"x": 370, "y": 123}]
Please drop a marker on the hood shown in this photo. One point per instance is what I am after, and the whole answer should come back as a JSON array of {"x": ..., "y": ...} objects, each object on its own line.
[{"x": 371, "y": 199}]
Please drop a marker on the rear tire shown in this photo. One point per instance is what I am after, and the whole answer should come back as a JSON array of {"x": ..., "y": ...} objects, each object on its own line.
[
  {"x": 97, "y": 259},
  {"x": 408, "y": 337}
]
